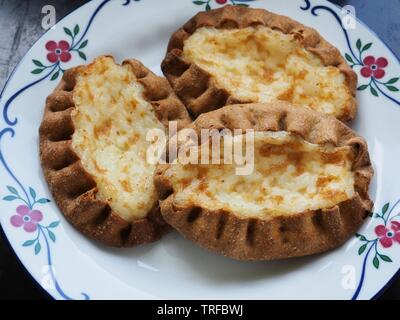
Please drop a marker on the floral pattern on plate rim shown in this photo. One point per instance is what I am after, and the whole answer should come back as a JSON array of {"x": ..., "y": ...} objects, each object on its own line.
[
  {"x": 29, "y": 218},
  {"x": 61, "y": 52},
  {"x": 26, "y": 215},
  {"x": 371, "y": 68},
  {"x": 208, "y": 4}
]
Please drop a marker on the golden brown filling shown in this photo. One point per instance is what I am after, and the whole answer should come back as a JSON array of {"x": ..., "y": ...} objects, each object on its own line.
[
  {"x": 289, "y": 176},
  {"x": 111, "y": 120},
  {"x": 263, "y": 65}
]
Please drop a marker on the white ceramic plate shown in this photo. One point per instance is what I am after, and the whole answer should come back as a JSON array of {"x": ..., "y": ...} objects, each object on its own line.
[{"x": 69, "y": 266}]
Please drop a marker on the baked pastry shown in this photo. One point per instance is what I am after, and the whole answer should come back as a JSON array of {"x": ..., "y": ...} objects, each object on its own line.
[
  {"x": 239, "y": 55},
  {"x": 93, "y": 149},
  {"x": 308, "y": 192}
]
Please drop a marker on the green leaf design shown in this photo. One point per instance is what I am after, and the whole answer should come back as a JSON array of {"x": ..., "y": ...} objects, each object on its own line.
[
  {"x": 375, "y": 262},
  {"x": 10, "y": 198},
  {"x": 82, "y": 55},
  {"x": 358, "y": 44},
  {"x": 55, "y": 76},
  {"x": 349, "y": 58},
  {"x": 363, "y": 87},
  {"x": 367, "y": 46},
  {"x": 52, "y": 236},
  {"x": 393, "y": 80},
  {"x": 37, "y": 71},
  {"x": 38, "y": 247},
  {"x": 385, "y": 208},
  {"x": 83, "y": 44},
  {"x": 362, "y": 249},
  {"x": 374, "y": 92},
  {"x": 54, "y": 224},
  {"x": 33, "y": 193},
  {"x": 13, "y": 190},
  {"x": 392, "y": 88},
  {"x": 241, "y": 5},
  {"x": 361, "y": 237},
  {"x": 68, "y": 32},
  {"x": 28, "y": 243},
  {"x": 76, "y": 30},
  {"x": 199, "y": 3},
  {"x": 371, "y": 214},
  {"x": 385, "y": 258},
  {"x": 43, "y": 200},
  {"x": 208, "y": 7},
  {"x": 37, "y": 63}
]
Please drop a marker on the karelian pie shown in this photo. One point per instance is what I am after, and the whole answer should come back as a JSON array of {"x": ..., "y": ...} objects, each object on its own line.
[
  {"x": 308, "y": 192},
  {"x": 93, "y": 149},
  {"x": 239, "y": 55}
]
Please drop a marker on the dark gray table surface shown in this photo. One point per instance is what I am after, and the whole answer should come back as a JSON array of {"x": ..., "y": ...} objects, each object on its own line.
[{"x": 20, "y": 25}]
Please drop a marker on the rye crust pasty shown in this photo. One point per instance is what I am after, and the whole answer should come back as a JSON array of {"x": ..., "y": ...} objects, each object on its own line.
[
  {"x": 240, "y": 55},
  {"x": 308, "y": 192},
  {"x": 93, "y": 149}
]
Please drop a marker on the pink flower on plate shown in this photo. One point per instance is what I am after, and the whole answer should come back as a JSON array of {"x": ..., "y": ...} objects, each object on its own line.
[
  {"x": 58, "y": 51},
  {"x": 374, "y": 67},
  {"x": 27, "y": 218},
  {"x": 387, "y": 236}
]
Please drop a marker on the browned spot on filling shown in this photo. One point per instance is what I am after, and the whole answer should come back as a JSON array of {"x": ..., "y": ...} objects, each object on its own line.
[
  {"x": 202, "y": 186},
  {"x": 274, "y": 182},
  {"x": 236, "y": 186},
  {"x": 267, "y": 150},
  {"x": 287, "y": 95},
  {"x": 98, "y": 168},
  {"x": 293, "y": 157},
  {"x": 103, "y": 128},
  {"x": 185, "y": 182},
  {"x": 301, "y": 53},
  {"x": 334, "y": 195},
  {"x": 303, "y": 190},
  {"x": 260, "y": 199},
  {"x": 325, "y": 180},
  {"x": 277, "y": 199},
  {"x": 275, "y": 168},
  {"x": 131, "y": 141},
  {"x": 209, "y": 194},
  {"x": 125, "y": 169},
  {"x": 201, "y": 172},
  {"x": 296, "y": 159},
  {"x": 125, "y": 184},
  {"x": 301, "y": 75},
  {"x": 133, "y": 104},
  {"x": 268, "y": 75},
  {"x": 89, "y": 93}
]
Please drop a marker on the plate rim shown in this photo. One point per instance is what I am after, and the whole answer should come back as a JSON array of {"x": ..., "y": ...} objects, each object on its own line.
[{"x": 8, "y": 243}]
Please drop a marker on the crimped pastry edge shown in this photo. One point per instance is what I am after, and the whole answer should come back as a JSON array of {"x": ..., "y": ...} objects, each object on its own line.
[
  {"x": 198, "y": 89},
  {"x": 73, "y": 188},
  {"x": 278, "y": 237}
]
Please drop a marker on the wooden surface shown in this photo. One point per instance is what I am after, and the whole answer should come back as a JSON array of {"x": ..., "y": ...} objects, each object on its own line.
[{"x": 20, "y": 22}]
